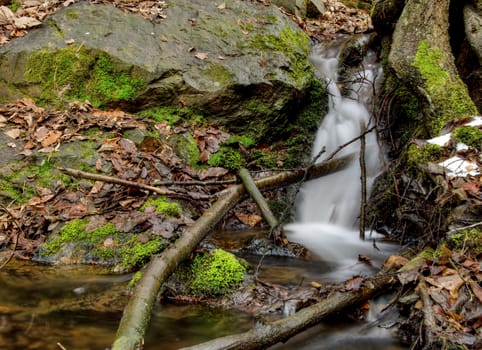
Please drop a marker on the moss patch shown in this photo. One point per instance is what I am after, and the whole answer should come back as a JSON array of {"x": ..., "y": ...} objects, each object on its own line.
[
  {"x": 469, "y": 135},
  {"x": 215, "y": 273},
  {"x": 467, "y": 240},
  {"x": 449, "y": 95},
  {"x": 420, "y": 155},
  {"x": 104, "y": 245},
  {"x": 162, "y": 205},
  {"x": 76, "y": 73},
  {"x": 172, "y": 115},
  {"x": 295, "y": 45}
]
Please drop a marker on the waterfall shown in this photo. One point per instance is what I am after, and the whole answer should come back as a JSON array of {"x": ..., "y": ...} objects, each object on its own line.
[{"x": 328, "y": 207}]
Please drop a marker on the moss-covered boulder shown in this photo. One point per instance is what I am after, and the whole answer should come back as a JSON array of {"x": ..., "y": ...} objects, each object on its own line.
[{"x": 243, "y": 65}]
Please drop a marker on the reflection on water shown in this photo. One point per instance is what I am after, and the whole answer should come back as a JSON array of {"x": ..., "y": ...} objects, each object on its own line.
[{"x": 80, "y": 308}]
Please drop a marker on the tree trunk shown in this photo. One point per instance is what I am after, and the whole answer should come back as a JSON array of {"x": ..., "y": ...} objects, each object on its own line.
[
  {"x": 421, "y": 56},
  {"x": 265, "y": 335},
  {"x": 137, "y": 313}
]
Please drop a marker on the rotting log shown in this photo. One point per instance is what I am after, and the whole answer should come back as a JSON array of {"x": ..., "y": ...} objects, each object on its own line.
[
  {"x": 267, "y": 334},
  {"x": 137, "y": 313}
]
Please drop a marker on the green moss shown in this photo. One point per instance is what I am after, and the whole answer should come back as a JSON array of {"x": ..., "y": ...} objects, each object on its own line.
[
  {"x": 469, "y": 135},
  {"x": 76, "y": 73},
  {"x": 15, "y": 5},
  {"x": 136, "y": 254},
  {"x": 162, "y": 205},
  {"x": 135, "y": 278},
  {"x": 449, "y": 95},
  {"x": 172, "y": 115},
  {"x": 26, "y": 179},
  {"x": 245, "y": 140},
  {"x": 72, "y": 14},
  {"x": 295, "y": 44},
  {"x": 228, "y": 158},
  {"x": 470, "y": 239},
  {"x": 216, "y": 273},
  {"x": 11, "y": 192},
  {"x": 125, "y": 248},
  {"x": 420, "y": 155},
  {"x": 219, "y": 74}
]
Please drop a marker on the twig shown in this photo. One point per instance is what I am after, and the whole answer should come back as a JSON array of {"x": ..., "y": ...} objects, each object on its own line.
[
  {"x": 110, "y": 179},
  {"x": 194, "y": 183},
  {"x": 363, "y": 179}
]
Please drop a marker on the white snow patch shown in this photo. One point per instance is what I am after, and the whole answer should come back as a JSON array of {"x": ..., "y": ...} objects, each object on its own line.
[{"x": 458, "y": 167}]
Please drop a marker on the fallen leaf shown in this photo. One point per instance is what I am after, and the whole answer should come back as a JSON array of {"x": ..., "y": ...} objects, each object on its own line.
[
  {"x": 249, "y": 219},
  {"x": 52, "y": 137},
  {"x": 222, "y": 6},
  {"x": 13, "y": 133},
  {"x": 212, "y": 172},
  {"x": 26, "y": 22},
  {"x": 201, "y": 55},
  {"x": 163, "y": 38},
  {"x": 395, "y": 261},
  {"x": 353, "y": 283},
  {"x": 6, "y": 15}
]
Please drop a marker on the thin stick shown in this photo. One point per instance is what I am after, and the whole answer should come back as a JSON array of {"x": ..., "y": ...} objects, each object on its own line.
[
  {"x": 363, "y": 179},
  {"x": 115, "y": 180}
]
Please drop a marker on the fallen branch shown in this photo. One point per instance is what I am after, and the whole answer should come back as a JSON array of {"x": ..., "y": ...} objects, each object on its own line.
[
  {"x": 267, "y": 334},
  {"x": 257, "y": 196},
  {"x": 116, "y": 180},
  {"x": 137, "y": 313}
]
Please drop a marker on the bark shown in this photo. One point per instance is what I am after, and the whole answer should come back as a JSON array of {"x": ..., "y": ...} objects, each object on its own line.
[
  {"x": 257, "y": 196},
  {"x": 421, "y": 56},
  {"x": 265, "y": 335},
  {"x": 137, "y": 313}
]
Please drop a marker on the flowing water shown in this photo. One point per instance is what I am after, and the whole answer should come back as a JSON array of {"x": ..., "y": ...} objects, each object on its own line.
[
  {"x": 47, "y": 308},
  {"x": 328, "y": 207}
]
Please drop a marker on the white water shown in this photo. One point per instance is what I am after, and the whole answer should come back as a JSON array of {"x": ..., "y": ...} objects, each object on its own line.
[{"x": 328, "y": 207}]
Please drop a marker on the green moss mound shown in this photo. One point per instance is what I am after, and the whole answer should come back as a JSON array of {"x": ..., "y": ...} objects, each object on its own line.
[
  {"x": 162, "y": 205},
  {"x": 420, "y": 155},
  {"x": 76, "y": 73},
  {"x": 215, "y": 273},
  {"x": 469, "y": 135}
]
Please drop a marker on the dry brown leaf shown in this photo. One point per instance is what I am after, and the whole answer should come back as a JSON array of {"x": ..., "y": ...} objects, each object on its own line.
[
  {"x": 212, "y": 172},
  {"x": 201, "y": 55},
  {"x": 6, "y": 15},
  {"x": 249, "y": 219},
  {"x": 52, "y": 137},
  {"x": 395, "y": 261},
  {"x": 452, "y": 283},
  {"x": 13, "y": 133},
  {"x": 26, "y": 22}
]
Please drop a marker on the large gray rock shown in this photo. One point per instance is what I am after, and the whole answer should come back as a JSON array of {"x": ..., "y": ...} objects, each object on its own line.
[{"x": 235, "y": 62}]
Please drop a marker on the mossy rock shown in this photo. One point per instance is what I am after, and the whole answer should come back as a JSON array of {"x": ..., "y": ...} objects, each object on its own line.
[
  {"x": 210, "y": 274},
  {"x": 104, "y": 245}
]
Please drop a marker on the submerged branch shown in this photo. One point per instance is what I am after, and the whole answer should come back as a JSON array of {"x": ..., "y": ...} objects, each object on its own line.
[{"x": 267, "y": 334}]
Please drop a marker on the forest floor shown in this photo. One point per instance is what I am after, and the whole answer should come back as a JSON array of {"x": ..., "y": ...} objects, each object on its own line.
[{"x": 440, "y": 292}]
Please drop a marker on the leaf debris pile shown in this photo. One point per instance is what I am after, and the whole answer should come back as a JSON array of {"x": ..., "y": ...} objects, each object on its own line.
[
  {"x": 442, "y": 297},
  {"x": 16, "y": 19},
  {"x": 40, "y": 137}
]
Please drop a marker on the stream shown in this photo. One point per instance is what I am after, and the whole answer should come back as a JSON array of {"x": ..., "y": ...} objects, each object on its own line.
[{"x": 77, "y": 308}]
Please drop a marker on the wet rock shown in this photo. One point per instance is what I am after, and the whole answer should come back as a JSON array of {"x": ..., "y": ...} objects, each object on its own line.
[{"x": 233, "y": 64}]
